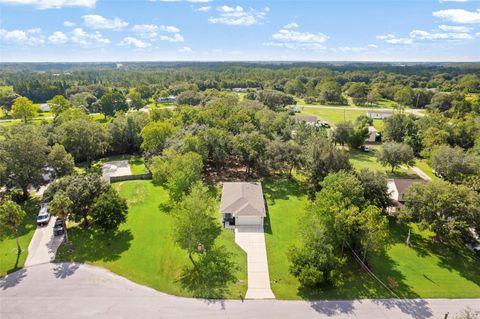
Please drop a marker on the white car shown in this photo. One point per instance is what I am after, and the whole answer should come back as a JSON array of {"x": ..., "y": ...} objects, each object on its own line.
[{"x": 43, "y": 217}]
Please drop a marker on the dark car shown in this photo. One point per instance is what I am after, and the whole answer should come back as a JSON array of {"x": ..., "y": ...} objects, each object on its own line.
[
  {"x": 364, "y": 148},
  {"x": 58, "y": 227}
]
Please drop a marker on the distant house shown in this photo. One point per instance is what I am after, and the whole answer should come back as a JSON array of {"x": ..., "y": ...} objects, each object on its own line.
[
  {"x": 169, "y": 99},
  {"x": 242, "y": 204},
  {"x": 372, "y": 134},
  {"x": 377, "y": 115},
  {"x": 307, "y": 119},
  {"x": 397, "y": 188},
  {"x": 240, "y": 90},
  {"x": 44, "y": 107}
]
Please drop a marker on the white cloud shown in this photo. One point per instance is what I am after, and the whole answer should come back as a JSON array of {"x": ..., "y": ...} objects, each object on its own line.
[
  {"x": 203, "y": 9},
  {"x": 83, "y": 38},
  {"x": 418, "y": 36},
  {"x": 21, "y": 37},
  {"x": 292, "y": 39},
  {"x": 185, "y": 50},
  {"x": 442, "y": 1},
  {"x": 58, "y": 37},
  {"x": 133, "y": 42},
  {"x": 392, "y": 39},
  {"x": 176, "y": 37},
  {"x": 458, "y": 15},
  {"x": 146, "y": 30},
  {"x": 56, "y": 4},
  {"x": 291, "y": 25},
  {"x": 69, "y": 24},
  {"x": 169, "y": 28},
  {"x": 95, "y": 21},
  {"x": 454, "y": 28},
  {"x": 238, "y": 16}
]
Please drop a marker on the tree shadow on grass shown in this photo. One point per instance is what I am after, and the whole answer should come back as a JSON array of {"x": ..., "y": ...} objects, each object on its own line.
[
  {"x": 210, "y": 277},
  {"x": 90, "y": 245},
  {"x": 12, "y": 279},
  {"x": 282, "y": 188}
]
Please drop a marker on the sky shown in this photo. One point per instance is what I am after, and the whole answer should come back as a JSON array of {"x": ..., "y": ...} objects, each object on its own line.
[{"x": 215, "y": 30}]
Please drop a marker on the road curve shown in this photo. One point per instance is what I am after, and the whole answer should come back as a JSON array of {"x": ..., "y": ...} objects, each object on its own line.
[{"x": 73, "y": 290}]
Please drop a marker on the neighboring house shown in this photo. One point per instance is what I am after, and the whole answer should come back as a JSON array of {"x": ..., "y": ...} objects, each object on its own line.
[
  {"x": 170, "y": 99},
  {"x": 240, "y": 90},
  {"x": 307, "y": 119},
  {"x": 44, "y": 107},
  {"x": 378, "y": 115},
  {"x": 372, "y": 134},
  {"x": 397, "y": 188},
  {"x": 242, "y": 204}
]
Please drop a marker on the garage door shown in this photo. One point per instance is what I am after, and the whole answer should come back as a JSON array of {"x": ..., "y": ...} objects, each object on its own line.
[{"x": 248, "y": 220}]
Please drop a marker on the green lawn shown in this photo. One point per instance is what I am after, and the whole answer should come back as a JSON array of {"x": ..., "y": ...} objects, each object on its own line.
[
  {"x": 425, "y": 270},
  {"x": 421, "y": 164},
  {"x": 143, "y": 250},
  {"x": 137, "y": 164},
  {"x": 360, "y": 160},
  {"x": 334, "y": 116},
  {"x": 8, "y": 245}
]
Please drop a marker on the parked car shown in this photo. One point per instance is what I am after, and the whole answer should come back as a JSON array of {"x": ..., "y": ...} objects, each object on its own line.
[
  {"x": 364, "y": 148},
  {"x": 58, "y": 227},
  {"x": 43, "y": 217}
]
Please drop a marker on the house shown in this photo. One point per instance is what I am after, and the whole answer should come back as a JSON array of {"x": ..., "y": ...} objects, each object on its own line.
[
  {"x": 397, "y": 188},
  {"x": 169, "y": 99},
  {"x": 307, "y": 119},
  {"x": 372, "y": 134},
  {"x": 240, "y": 90},
  {"x": 44, "y": 107},
  {"x": 242, "y": 204},
  {"x": 378, "y": 115}
]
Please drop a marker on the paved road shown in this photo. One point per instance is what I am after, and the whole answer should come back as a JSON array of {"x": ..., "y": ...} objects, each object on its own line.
[
  {"x": 44, "y": 245},
  {"x": 252, "y": 240},
  {"x": 70, "y": 290}
]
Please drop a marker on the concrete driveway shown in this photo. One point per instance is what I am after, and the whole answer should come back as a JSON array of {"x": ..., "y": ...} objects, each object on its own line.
[
  {"x": 44, "y": 245},
  {"x": 252, "y": 240},
  {"x": 116, "y": 168},
  {"x": 70, "y": 290}
]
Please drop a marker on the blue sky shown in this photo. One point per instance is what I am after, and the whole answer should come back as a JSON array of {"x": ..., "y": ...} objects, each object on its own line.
[{"x": 203, "y": 30}]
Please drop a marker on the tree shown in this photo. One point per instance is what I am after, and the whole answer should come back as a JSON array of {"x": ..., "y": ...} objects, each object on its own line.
[
  {"x": 284, "y": 156},
  {"x": 154, "y": 135},
  {"x": 24, "y": 109},
  {"x": 374, "y": 95},
  {"x": 373, "y": 229},
  {"x": 453, "y": 163},
  {"x": 84, "y": 139},
  {"x": 82, "y": 190},
  {"x": 179, "y": 172},
  {"x": 58, "y": 104},
  {"x": 24, "y": 151},
  {"x": 252, "y": 149},
  {"x": 112, "y": 102},
  {"x": 189, "y": 98},
  {"x": 7, "y": 98},
  {"x": 195, "y": 222},
  {"x": 60, "y": 161},
  {"x": 109, "y": 210},
  {"x": 342, "y": 131},
  {"x": 357, "y": 91},
  {"x": 11, "y": 218},
  {"x": 61, "y": 206},
  {"x": 321, "y": 158},
  {"x": 375, "y": 188},
  {"x": 125, "y": 131},
  {"x": 446, "y": 209},
  {"x": 135, "y": 99},
  {"x": 330, "y": 92},
  {"x": 404, "y": 96},
  {"x": 275, "y": 99},
  {"x": 395, "y": 154}
]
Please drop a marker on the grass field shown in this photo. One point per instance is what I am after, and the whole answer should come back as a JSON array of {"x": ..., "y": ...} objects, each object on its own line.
[
  {"x": 8, "y": 245},
  {"x": 421, "y": 164},
  {"x": 425, "y": 270},
  {"x": 143, "y": 250},
  {"x": 333, "y": 116},
  {"x": 136, "y": 162},
  {"x": 360, "y": 160}
]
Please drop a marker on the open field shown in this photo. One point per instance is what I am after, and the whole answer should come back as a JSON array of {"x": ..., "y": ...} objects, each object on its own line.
[
  {"x": 360, "y": 160},
  {"x": 143, "y": 250},
  {"x": 425, "y": 270},
  {"x": 333, "y": 115},
  {"x": 8, "y": 246},
  {"x": 421, "y": 164}
]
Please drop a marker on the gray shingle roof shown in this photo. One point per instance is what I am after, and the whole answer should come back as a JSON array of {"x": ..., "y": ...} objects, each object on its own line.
[{"x": 243, "y": 199}]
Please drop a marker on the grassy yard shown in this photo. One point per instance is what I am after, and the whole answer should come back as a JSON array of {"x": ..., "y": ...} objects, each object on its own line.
[
  {"x": 137, "y": 164},
  {"x": 8, "y": 245},
  {"x": 360, "y": 160},
  {"x": 421, "y": 164},
  {"x": 334, "y": 116},
  {"x": 143, "y": 250},
  {"x": 425, "y": 270}
]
